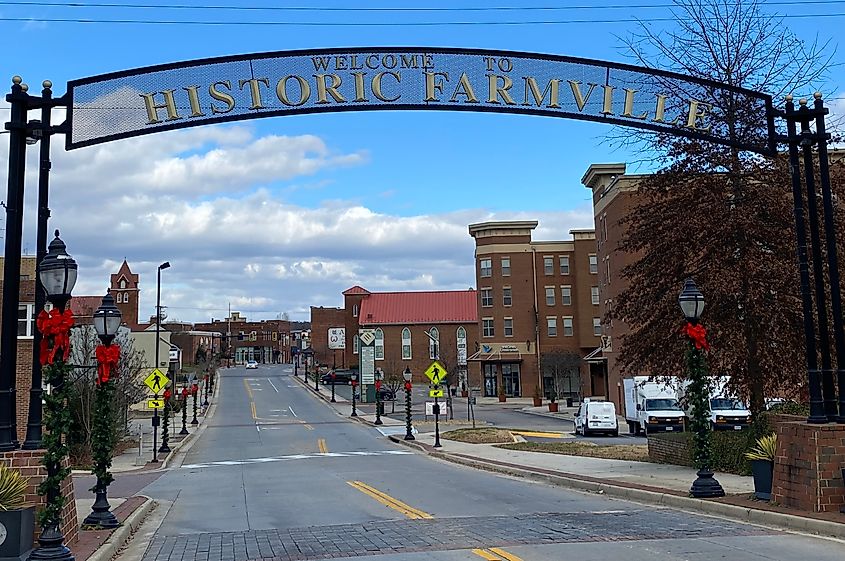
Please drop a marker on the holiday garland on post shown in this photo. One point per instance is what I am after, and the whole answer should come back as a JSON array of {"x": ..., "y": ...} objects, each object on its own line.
[
  {"x": 102, "y": 432},
  {"x": 55, "y": 347},
  {"x": 698, "y": 394}
]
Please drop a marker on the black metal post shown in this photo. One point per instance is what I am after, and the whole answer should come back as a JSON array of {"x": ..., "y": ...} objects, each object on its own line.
[
  {"x": 184, "y": 430},
  {"x": 205, "y": 403},
  {"x": 828, "y": 388},
  {"x": 378, "y": 420},
  {"x": 194, "y": 420},
  {"x": 333, "y": 382},
  {"x": 316, "y": 376},
  {"x": 296, "y": 367},
  {"x": 354, "y": 411},
  {"x": 11, "y": 268},
  {"x": 437, "y": 423},
  {"x": 822, "y": 137},
  {"x": 33, "y": 424},
  {"x": 408, "y": 434},
  {"x": 165, "y": 432},
  {"x": 817, "y": 414}
]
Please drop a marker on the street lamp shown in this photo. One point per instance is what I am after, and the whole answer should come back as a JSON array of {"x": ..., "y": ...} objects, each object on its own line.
[
  {"x": 57, "y": 272},
  {"x": 379, "y": 377},
  {"x": 165, "y": 265},
  {"x": 184, "y": 430},
  {"x": 333, "y": 377},
  {"x": 106, "y": 323},
  {"x": 354, "y": 377},
  {"x": 692, "y": 304},
  {"x": 194, "y": 389},
  {"x": 407, "y": 376}
]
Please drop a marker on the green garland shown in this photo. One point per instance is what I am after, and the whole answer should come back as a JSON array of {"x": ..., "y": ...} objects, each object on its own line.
[
  {"x": 57, "y": 421},
  {"x": 698, "y": 394},
  {"x": 102, "y": 434}
]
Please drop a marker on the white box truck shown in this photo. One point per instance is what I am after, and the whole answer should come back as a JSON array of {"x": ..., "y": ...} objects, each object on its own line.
[
  {"x": 652, "y": 406},
  {"x": 726, "y": 411}
]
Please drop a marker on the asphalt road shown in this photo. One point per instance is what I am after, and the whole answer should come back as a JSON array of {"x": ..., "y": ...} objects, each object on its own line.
[{"x": 279, "y": 474}]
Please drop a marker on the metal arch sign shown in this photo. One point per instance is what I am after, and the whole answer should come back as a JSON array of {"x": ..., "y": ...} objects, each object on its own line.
[{"x": 185, "y": 94}]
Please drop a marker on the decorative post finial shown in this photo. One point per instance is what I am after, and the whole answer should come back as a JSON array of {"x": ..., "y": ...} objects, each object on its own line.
[{"x": 47, "y": 84}]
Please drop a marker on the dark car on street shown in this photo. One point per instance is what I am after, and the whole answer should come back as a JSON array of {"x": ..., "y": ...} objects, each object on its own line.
[{"x": 341, "y": 377}]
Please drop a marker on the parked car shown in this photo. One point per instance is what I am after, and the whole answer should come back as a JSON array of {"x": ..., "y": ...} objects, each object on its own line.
[
  {"x": 595, "y": 416},
  {"x": 341, "y": 377},
  {"x": 386, "y": 394},
  {"x": 251, "y": 365}
]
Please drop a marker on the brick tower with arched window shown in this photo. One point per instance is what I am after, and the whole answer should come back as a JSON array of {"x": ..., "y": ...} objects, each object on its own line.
[{"x": 124, "y": 288}]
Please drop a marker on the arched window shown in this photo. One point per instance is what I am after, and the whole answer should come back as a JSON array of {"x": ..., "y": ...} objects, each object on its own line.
[
  {"x": 433, "y": 344},
  {"x": 355, "y": 310},
  {"x": 379, "y": 344},
  {"x": 355, "y": 343},
  {"x": 462, "y": 346},
  {"x": 406, "y": 344},
  {"x": 122, "y": 283}
]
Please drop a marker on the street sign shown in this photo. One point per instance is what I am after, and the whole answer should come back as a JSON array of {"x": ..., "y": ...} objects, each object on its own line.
[
  {"x": 337, "y": 338},
  {"x": 436, "y": 373},
  {"x": 155, "y": 403},
  {"x": 368, "y": 356},
  {"x": 429, "y": 408},
  {"x": 368, "y": 336},
  {"x": 157, "y": 381},
  {"x": 435, "y": 393}
]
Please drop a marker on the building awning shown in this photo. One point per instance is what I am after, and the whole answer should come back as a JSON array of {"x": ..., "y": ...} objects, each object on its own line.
[
  {"x": 595, "y": 356},
  {"x": 495, "y": 356}
]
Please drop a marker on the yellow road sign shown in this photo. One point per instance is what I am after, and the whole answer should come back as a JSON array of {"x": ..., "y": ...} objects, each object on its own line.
[
  {"x": 435, "y": 393},
  {"x": 155, "y": 403},
  {"x": 157, "y": 381},
  {"x": 436, "y": 373}
]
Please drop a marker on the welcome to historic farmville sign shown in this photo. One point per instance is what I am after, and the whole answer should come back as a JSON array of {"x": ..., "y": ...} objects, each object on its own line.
[{"x": 185, "y": 94}]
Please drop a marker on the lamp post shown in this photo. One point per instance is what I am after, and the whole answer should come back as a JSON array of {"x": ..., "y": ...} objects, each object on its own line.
[
  {"x": 165, "y": 265},
  {"x": 333, "y": 376},
  {"x": 106, "y": 322},
  {"x": 354, "y": 377},
  {"x": 57, "y": 272},
  {"x": 194, "y": 389},
  {"x": 165, "y": 429},
  {"x": 184, "y": 430},
  {"x": 407, "y": 376},
  {"x": 692, "y": 304},
  {"x": 205, "y": 403},
  {"x": 379, "y": 376}
]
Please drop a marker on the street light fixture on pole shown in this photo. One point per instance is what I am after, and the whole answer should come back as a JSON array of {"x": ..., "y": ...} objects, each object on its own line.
[
  {"x": 354, "y": 377},
  {"x": 165, "y": 265},
  {"x": 106, "y": 321},
  {"x": 407, "y": 376},
  {"x": 379, "y": 377},
  {"x": 692, "y": 304}
]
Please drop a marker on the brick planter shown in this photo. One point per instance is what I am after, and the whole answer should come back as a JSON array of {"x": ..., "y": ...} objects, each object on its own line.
[{"x": 808, "y": 467}]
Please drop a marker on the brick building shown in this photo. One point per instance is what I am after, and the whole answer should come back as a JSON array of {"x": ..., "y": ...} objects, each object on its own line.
[
  {"x": 538, "y": 310},
  {"x": 265, "y": 341},
  {"x": 411, "y": 329},
  {"x": 323, "y": 320}
]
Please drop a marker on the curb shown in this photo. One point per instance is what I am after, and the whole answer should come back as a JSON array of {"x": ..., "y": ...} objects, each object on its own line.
[
  {"x": 189, "y": 440},
  {"x": 123, "y": 533},
  {"x": 768, "y": 518}
]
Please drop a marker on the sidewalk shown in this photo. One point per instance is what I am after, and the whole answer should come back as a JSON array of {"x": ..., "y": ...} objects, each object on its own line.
[{"x": 662, "y": 485}]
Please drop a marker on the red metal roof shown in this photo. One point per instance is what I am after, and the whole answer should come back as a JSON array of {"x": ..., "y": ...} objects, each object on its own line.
[
  {"x": 355, "y": 290},
  {"x": 455, "y": 306}
]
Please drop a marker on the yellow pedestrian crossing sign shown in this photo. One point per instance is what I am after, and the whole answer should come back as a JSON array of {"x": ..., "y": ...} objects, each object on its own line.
[
  {"x": 155, "y": 403},
  {"x": 436, "y": 373},
  {"x": 435, "y": 393},
  {"x": 157, "y": 381}
]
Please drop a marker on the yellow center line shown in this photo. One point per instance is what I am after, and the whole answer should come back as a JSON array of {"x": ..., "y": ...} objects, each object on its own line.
[
  {"x": 496, "y": 554},
  {"x": 389, "y": 501},
  {"x": 538, "y": 434},
  {"x": 486, "y": 554},
  {"x": 507, "y": 555},
  {"x": 321, "y": 444}
]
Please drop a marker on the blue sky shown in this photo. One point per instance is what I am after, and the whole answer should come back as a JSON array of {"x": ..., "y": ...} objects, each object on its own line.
[{"x": 413, "y": 170}]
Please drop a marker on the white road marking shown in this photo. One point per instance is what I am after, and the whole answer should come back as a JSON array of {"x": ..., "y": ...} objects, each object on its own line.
[
  {"x": 297, "y": 457},
  {"x": 272, "y": 384},
  {"x": 292, "y": 411}
]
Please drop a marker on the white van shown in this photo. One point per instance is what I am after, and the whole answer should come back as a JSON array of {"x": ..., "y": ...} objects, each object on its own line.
[
  {"x": 726, "y": 411},
  {"x": 595, "y": 416},
  {"x": 652, "y": 406}
]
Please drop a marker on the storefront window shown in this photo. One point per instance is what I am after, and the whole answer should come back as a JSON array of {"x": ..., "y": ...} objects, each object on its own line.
[
  {"x": 510, "y": 379},
  {"x": 491, "y": 386}
]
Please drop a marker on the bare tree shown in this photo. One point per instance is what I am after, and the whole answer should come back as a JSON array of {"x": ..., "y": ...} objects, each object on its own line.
[{"x": 564, "y": 368}]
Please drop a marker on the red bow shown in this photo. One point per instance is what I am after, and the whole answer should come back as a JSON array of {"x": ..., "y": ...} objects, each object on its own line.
[
  {"x": 184, "y": 393},
  {"x": 167, "y": 395},
  {"x": 698, "y": 335},
  {"x": 54, "y": 327},
  {"x": 107, "y": 358},
  {"x": 194, "y": 389},
  {"x": 407, "y": 386},
  {"x": 378, "y": 385}
]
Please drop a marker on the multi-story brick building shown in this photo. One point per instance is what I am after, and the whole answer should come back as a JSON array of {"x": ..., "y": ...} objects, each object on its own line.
[
  {"x": 266, "y": 341},
  {"x": 411, "y": 330},
  {"x": 538, "y": 310}
]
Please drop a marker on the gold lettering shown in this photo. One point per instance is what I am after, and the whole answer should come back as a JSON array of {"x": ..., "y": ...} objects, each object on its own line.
[
  {"x": 324, "y": 88},
  {"x": 282, "y": 90},
  {"x": 359, "y": 86},
  {"x": 355, "y": 65},
  {"x": 410, "y": 61},
  {"x": 388, "y": 61},
  {"x": 194, "y": 100},
  {"x": 428, "y": 61},
  {"x": 340, "y": 63},
  {"x": 464, "y": 88},
  {"x": 553, "y": 89},
  {"x": 254, "y": 90},
  {"x": 607, "y": 109},
  {"x": 152, "y": 108},
  {"x": 321, "y": 62},
  {"x": 377, "y": 85},
  {"x": 372, "y": 62},
  {"x": 698, "y": 110},
  {"x": 629, "y": 105},
  {"x": 580, "y": 99},
  {"x": 660, "y": 109},
  {"x": 434, "y": 86},
  {"x": 221, "y": 96},
  {"x": 495, "y": 90}
]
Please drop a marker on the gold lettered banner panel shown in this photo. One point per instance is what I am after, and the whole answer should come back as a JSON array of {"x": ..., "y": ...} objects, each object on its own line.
[{"x": 185, "y": 94}]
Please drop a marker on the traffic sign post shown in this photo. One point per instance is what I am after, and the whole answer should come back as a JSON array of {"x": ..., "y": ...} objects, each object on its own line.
[
  {"x": 437, "y": 420},
  {"x": 157, "y": 382},
  {"x": 155, "y": 403},
  {"x": 436, "y": 372}
]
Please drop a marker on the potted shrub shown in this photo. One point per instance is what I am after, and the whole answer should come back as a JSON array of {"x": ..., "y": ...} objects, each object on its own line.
[
  {"x": 762, "y": 458},
  {"x": 502, "y": 396},
  {"x": 17, "y": 521},
  {"x": 538, "y": 398},
  {"x": 553, "y": 405}
]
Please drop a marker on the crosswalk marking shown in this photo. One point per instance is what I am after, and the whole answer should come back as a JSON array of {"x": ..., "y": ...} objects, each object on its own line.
[{"x": 297, "y": 457}]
